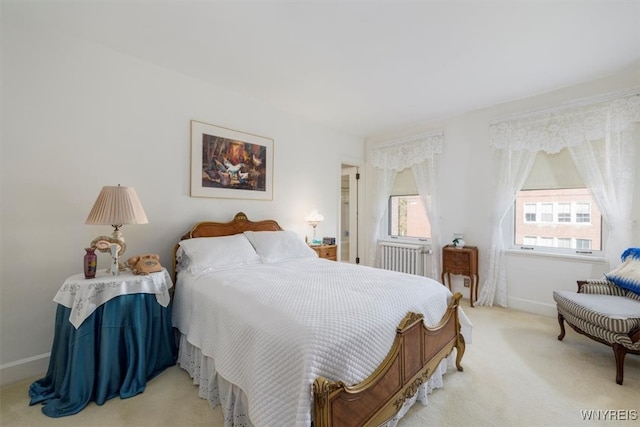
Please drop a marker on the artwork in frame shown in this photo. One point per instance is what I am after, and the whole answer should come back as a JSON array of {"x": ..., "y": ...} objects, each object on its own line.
[{"x": 230, "y": 164}]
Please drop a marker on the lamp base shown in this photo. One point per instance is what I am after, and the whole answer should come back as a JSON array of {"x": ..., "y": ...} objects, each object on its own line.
[{"x": 117, "y": 234}]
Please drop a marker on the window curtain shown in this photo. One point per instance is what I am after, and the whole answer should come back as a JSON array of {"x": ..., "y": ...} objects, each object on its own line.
[
  {"x": 513, "y": 167},
  {"x": 425, "y": 177},
  {"x": 385, "y": 161},
  {"x": 602, "y": 137},
  {"x": 609, "y": 167}
]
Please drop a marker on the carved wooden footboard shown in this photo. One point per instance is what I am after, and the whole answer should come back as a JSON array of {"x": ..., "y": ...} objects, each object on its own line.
[{"x": 415, "y": 354}]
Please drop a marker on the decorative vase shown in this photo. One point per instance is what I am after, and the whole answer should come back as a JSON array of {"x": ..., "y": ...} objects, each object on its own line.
[
  {"x": 90, "y": 263},
  {"x": 458, "y": 241}
]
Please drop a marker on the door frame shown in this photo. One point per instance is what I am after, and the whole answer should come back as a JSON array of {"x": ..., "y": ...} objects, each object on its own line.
[{"x": 355, "y": 214}]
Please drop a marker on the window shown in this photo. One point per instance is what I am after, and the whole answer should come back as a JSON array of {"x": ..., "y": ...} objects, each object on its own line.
[
  {"x": 564, "y": 212},
  {"x": 583, "y": 244},
  {"x": 583, "y": 212},
  {"x": 554, "y": 211},
  {"x": 407, "y": 217},
  {"x": 530, "y": 212},
  {"x": 546, "y": 212},
  {"x": 546, "y": 241},
  {"x": 579, "y": 233}
]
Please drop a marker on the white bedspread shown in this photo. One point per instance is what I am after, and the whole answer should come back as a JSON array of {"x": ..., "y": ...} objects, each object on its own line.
[{"x": 273, "y": 328}]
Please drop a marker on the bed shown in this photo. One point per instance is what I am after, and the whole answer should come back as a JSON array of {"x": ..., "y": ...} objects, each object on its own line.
[{"x": 278, "y": 336}]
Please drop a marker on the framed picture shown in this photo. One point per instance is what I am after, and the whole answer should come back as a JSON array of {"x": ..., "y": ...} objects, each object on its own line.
[{"x": 230, "y": 164}]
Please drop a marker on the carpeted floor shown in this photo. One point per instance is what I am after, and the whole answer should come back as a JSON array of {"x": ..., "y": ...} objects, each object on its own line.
[{"x": 516, "y": 373}]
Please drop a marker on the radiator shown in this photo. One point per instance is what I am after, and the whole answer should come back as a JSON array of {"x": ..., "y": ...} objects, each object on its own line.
[{"x": 405, "y": 257}]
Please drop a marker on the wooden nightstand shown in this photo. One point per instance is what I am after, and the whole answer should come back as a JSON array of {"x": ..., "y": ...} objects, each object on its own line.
[
  {"x": 462, "y": 261},
  {"x": 329, "y": 252}
]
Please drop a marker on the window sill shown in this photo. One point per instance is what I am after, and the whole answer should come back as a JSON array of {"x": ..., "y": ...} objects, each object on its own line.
[{"x": 569, "y": 257}]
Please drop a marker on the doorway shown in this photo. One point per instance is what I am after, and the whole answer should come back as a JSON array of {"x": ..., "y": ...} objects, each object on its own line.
[{"x": 348, "y": 243}]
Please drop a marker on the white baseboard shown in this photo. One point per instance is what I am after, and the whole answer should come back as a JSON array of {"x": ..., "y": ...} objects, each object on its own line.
[
  {"x": 534, "y": 307},
  {"x": 24, "y": 368}
]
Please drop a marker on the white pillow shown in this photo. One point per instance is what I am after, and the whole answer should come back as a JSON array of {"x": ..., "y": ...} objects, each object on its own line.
[
  {"x": 206, "y": 254},
  {"x": 274, "y": 246}
]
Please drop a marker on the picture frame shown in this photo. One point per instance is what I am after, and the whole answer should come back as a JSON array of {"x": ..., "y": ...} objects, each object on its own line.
[{"x": 227, "y": 163}]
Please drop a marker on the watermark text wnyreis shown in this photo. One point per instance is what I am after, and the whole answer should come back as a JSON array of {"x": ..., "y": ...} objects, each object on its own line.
[{"x": 609, "y": 415}]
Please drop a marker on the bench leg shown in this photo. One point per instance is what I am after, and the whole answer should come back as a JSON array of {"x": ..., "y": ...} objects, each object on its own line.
[
  {"x": 620, "y": 352},
  {"x": 561, "y": 321}
]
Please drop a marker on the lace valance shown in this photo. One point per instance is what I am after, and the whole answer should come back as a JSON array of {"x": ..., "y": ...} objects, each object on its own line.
[
  {"x": 401, "y": 153},
  {"x": 553, "y": 130}
]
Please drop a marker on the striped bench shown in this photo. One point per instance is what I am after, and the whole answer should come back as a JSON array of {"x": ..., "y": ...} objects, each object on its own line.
[{"x": 605, "y": 313}]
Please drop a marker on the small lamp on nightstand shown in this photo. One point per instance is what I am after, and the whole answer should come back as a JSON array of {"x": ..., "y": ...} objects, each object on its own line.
[
  {"x": 115, "y": 206},
  {"x": 314, "y": 218}
]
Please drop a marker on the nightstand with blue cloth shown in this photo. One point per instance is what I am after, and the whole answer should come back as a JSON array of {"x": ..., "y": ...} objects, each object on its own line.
[{"x": 112, "y": 335}]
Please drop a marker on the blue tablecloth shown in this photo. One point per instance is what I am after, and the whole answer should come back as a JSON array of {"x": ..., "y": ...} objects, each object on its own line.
[{"x": 124, "y": 343}]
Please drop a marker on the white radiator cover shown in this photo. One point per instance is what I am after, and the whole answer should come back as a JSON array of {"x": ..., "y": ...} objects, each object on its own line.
[{"x": 405, "y": 257}]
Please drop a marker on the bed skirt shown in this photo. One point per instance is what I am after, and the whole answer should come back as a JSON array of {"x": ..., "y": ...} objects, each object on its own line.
[{"x": 218, "y": 391}]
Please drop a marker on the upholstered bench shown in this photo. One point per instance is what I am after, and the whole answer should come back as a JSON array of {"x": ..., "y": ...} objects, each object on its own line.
[{"x": 603, "y": 312}]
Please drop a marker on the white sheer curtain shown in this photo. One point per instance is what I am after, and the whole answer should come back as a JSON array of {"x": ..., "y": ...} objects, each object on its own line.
[
  {"x": 602, "y": 137},
  {"x": 425, "y": 175},
  {"x": 385, "y": 161},
  {"x": 609, "y": 167},
  {"x": 513, "y": 167},
  {"x": 382, "y": 183}
]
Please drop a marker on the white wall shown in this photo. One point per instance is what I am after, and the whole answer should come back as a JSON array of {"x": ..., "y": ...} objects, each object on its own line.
[
  {"x": 77, "y": 116},
  {"x": 466, "y": 179}
]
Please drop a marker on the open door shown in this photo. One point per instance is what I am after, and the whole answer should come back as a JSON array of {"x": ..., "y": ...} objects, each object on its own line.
[{"x": 348, "y": 242}]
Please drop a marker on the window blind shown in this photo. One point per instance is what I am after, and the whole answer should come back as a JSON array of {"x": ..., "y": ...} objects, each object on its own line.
[
  {"x": 405, "y": 183},
  {"x": 553, "y": 171}
]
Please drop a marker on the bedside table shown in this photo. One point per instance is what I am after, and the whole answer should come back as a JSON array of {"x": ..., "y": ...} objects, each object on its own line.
[
  {"x": 462, "y": 261},
  {"x": 329, "y": 252},
  {"x": 112, "y": 335}
]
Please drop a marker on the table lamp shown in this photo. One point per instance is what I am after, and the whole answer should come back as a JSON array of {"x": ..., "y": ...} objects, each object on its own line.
[
  {"x": 115, "y": 206},
  {"x": 314, "y": 218}
]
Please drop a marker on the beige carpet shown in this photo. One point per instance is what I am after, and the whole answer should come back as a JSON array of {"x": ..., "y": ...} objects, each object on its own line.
[{"x": 516, "y": 374}]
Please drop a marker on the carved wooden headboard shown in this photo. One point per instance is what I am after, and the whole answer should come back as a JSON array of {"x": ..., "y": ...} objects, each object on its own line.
[{"x": 239, "y": 224}]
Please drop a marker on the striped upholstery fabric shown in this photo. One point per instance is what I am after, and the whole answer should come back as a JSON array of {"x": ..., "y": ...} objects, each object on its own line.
[
  {"x": 598, "y": 331},
  {"x": 606, "y": 287},
  {"x": 617, "y": 314},
  {"x": 605, "y": 312},
  {"x": 602, "y": 287}
]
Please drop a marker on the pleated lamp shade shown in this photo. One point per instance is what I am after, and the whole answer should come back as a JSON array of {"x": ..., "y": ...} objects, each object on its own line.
[{"x": 117, "y": 206}]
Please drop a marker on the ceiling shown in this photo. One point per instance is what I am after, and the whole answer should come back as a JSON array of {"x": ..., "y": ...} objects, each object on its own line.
[{"x": 363, "y": 67}]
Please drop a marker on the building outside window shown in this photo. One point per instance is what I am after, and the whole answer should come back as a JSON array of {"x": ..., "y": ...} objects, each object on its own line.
[
  {"x": 554, "y": 211},
  {"x": 407, "y": 217},
  {"x": 579, "y": 232}
]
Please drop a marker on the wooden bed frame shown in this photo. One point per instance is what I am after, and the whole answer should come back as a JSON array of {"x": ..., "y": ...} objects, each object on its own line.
[{"x": 414, "y": 356}]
